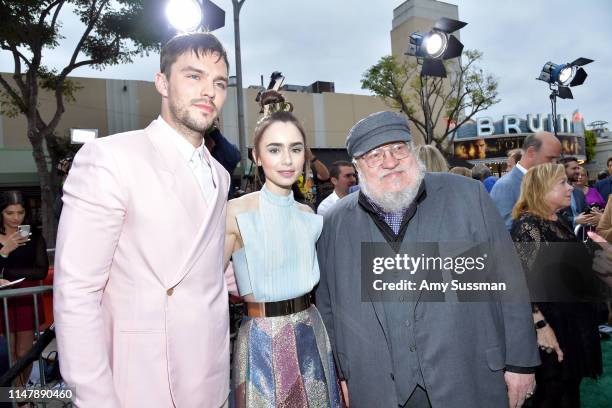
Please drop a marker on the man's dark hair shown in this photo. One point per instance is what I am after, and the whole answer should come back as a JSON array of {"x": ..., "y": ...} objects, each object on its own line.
[
  {"x": 334, "y": 170},
  {"x": 198, "y": 43},
  {"x": 608, "y": 162},
  {"x": 481, "y": 172},
  {"x": 532, "y": 140},
  {"x": 568, "y": 160}
]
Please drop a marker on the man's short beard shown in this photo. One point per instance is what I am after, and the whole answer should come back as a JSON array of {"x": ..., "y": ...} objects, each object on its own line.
[
  {"x": 182, "y": 118},
  {"x": 397, "y": 200}
]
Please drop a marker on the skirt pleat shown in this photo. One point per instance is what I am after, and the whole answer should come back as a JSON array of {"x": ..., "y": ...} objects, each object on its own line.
[{"x": 285, "y": 361}]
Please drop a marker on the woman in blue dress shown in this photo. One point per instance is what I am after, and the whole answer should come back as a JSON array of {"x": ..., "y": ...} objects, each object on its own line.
[{"x": 282, "y": 356}]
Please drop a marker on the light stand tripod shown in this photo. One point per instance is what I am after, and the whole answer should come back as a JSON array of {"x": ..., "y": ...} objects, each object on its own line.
[{"x": 553, "y": 102}]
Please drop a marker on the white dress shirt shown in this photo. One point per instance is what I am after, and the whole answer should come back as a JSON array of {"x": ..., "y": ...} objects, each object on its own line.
[
  {"x": 328, "y": 203},
  {"x": 521, "y": 168},
  {"x": 199, "y": 160}
]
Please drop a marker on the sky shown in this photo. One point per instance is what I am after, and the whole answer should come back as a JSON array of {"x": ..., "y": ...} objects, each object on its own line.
[{"x": 338, "y": 40}]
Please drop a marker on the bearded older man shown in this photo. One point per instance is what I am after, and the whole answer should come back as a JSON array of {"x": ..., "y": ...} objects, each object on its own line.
[{"x": 419, "y": 353}]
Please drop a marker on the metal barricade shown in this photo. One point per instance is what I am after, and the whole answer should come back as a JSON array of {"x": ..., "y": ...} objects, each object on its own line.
[{"x": 5, "y": 294}]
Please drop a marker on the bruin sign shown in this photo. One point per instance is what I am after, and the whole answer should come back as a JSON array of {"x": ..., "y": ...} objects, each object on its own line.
[{"x": 535, "y": 123}]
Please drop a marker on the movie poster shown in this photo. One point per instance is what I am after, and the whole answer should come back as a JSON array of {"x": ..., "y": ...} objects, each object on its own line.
[{"x": 498, "y": 147}]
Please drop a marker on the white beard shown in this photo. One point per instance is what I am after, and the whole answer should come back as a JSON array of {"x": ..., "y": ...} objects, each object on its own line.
[{"x": 397, "y": 200}]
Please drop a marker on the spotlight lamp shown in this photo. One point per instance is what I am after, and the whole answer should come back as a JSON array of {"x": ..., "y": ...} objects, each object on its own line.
[
  {"x": 564, "y": 76},
  {"x": 436, "y": 46},
  {"x": 559, "y": 78},
  {"x": 187, "y": 16},
  {"x": 184, "y": 15}
]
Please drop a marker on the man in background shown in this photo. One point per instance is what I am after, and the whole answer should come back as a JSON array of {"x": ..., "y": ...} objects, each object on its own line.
[
  {"x": 541, "y": 147},
  {"x": 605, "y": 186},
  {"x": 343, "y": 177},
  {"x": 227, "y": 154},
  {"x": 578, "y": 213}
]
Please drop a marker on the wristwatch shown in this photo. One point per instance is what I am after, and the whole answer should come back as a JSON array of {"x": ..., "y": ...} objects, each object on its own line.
[{"x": 540, "y": 323}]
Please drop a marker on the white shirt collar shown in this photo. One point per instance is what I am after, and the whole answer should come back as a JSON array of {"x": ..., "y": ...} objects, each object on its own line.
[
  {"x": 521, "y": 168},
  {"x": 186, "y": 149}
]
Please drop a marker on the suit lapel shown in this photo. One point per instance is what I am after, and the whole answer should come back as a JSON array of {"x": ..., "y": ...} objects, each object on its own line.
[
  {"x": 369, "y": 233},
  {"x": 428, "y": 220},
  {"x": 180, "y": 181},
  {"x": 214, "y": 213}
]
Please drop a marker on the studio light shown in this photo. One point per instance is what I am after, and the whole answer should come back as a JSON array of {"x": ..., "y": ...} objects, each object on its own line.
[
  {"x": 436, "y": 46},
  {"x": 563, "y": 76},
  {"x": 559, "y": 78},
  {"x": 435, "y": 43},
  {"x": 184, "y": 15}
]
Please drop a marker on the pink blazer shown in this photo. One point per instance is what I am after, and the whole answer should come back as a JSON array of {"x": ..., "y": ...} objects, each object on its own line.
[{"x": 140, "y": 299}]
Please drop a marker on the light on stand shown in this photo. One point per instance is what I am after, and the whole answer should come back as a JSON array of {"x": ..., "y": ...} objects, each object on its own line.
[
  {"x": 436, "y": 46},
  {"x": 184, "y": 15},
  {"x": 560, "y": 77}
]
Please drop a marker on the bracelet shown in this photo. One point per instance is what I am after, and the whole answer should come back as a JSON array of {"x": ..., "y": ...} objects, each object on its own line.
[{"x": 3, "y": 256}]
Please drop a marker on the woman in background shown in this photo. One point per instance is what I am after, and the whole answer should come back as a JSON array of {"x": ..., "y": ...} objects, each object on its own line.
[
  {"x": 432, "y": 158},
  {"x": 20, "y": 257},
  {"x": 567, "y": 332},
  {"x": 591, "y": 195}
]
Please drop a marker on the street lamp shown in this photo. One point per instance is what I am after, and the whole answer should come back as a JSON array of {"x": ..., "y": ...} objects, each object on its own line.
[{"x": 237, "y": 5}]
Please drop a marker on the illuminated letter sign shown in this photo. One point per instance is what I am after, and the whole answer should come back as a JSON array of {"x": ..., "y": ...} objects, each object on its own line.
[
  {"x": 511, "y": 122},
  {"x": 484, "y": 126},
  {"x": 539, "y": 127}
]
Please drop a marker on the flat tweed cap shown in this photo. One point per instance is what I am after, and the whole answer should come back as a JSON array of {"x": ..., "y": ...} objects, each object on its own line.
[{"x": 375, "y": 130}]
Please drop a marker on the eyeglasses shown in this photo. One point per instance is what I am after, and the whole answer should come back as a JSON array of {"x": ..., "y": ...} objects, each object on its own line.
[{"x": 375, "y": 157}]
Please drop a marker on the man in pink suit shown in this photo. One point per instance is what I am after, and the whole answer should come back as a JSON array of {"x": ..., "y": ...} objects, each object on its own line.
[{"x": 141, "y": 306}]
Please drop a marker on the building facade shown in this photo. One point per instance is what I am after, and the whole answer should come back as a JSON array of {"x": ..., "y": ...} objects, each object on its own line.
[{"x": 113, "y": 106}]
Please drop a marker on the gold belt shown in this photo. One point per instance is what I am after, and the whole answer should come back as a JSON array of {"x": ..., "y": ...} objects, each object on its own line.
[{"x": 281, "y": 308}]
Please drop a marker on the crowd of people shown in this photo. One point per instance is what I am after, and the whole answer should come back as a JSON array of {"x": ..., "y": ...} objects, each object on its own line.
[{"x": 149, "y": 247}]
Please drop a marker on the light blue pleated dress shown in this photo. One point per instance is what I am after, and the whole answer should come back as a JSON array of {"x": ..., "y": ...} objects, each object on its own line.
[{"x": 283, "y": 361}]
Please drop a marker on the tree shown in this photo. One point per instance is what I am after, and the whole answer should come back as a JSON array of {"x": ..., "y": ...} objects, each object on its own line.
[
  {"x": 113, "y": 33},
  {"x": 590, "y": 140},
  {"x": 428, "y": 100}
]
